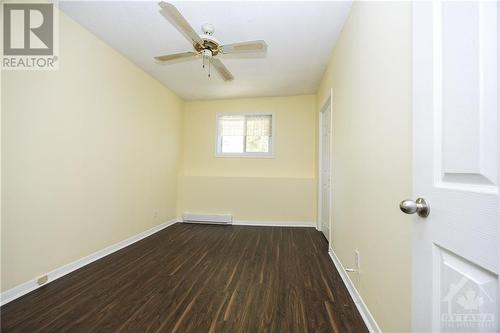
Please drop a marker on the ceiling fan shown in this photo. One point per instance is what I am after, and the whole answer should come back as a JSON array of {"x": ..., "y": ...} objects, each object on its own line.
[{"x": 205, "y": 45}]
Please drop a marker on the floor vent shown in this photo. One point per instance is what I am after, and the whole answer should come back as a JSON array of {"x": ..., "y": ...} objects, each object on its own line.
[{"x": 207, "y": 219}]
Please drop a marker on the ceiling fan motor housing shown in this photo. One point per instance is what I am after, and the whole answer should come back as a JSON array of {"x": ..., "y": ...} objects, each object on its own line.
[{"x": 209, "y": 43}]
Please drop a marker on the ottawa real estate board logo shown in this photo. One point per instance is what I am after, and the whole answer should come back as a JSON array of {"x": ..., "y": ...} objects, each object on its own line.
[{"x": 30, "y": 36}]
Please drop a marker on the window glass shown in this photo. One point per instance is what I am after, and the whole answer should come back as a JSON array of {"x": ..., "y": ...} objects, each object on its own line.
[{"x": 248, "y": 134}]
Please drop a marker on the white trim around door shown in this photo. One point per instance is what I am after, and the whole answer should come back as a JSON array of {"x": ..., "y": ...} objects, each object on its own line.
[{"x": 326, "y": 105}]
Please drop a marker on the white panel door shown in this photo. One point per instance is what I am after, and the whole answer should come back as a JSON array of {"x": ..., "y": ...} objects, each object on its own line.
[
  {"x": 456, "y": 249},
  {"x": 325, "y": 177}
]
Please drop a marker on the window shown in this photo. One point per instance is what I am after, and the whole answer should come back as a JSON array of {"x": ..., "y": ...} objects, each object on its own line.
[{"x": 247, "y": 135}]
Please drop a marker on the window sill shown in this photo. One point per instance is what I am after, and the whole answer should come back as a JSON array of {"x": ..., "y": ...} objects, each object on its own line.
[{"x": 245, "y": 155}]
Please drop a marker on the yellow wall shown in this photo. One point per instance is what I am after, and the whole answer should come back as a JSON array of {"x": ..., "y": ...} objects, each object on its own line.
[
  {"x": 89, "y": 153},
  {"x": 370, "y": 73},
  {"x": 257, "y": 189}
]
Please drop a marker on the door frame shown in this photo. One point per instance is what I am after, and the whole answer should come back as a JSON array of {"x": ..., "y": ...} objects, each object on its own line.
[{"x": 327, "y": 103}]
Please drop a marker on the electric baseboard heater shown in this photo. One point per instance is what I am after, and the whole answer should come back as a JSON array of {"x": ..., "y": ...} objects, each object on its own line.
[{"x": 224, "y": 219}]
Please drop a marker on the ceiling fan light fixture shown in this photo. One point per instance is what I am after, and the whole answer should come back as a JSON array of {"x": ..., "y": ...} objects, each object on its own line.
[{"x": 206, "y": 53}]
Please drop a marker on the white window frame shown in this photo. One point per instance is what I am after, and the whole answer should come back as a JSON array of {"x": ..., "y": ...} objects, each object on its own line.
[{"x": 218, "y": 138}]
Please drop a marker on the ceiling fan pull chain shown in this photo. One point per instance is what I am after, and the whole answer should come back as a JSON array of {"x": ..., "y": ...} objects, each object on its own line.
[{"x": 209, "y": 69}]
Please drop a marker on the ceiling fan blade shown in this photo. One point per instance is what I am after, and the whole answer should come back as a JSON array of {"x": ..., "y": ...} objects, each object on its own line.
[
  {"x": 179, "y": 22},
  {"x": 245, "y": 47},
  {"x": 176, "y": 56},
  {"x": 221, "y": 69}
]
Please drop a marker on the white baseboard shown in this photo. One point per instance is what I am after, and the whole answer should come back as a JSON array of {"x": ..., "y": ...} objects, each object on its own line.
[
  {"x": 22, "y": 289},
  {"x": 275, "y": 223},
  {"x": 370, "y": 322}
]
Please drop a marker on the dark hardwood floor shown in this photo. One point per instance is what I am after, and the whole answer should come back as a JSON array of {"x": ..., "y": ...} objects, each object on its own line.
[{"x": 198, "y": 278}]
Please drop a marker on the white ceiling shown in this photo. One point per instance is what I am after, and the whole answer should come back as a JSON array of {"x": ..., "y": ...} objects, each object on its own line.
[{"x": 300, "y": 38}]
